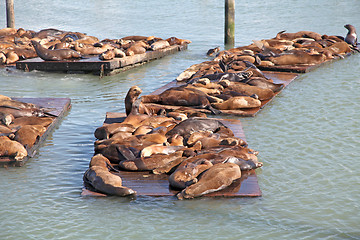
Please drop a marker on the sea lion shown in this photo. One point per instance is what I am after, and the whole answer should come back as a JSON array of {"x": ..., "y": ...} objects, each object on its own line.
[
  {"x": 159, "y": 45},
  {"x": 187, "y": 173},
  {"x": 13, "y": 149},
  {"x": 28, "y": 135},
  {"x": 351, "y": 37},
  {"x": 213, "y": 51},
  {"x": 104, "y": 181},
  {"x": 216, "y": 178},
  {"x": 136, "y": 48},
  {"x": 105, "y": 132},
  {"x": 300, "y": 34},
  {"x": 152, "y": 162},
  {"x": 248, "y": 90},
  {"x": 181, "y": 96},
  {"x": 85, "y": 49},
  {"x": 265, "y": 84},
  {"x": 22, "y": 121},
  {"x": 188, "y": 126},
  {"x": 11, "y": 57},
  {"x": 238, "y": 103},
  {"x": 131, "y": 96},
  {"x": 177, "y": 41},
  {"x": 298, "y": 57},
  {"x": 159, "y": 149},
  {"x": 6, "y": 118},
  {"x": 54, "y": 55}
]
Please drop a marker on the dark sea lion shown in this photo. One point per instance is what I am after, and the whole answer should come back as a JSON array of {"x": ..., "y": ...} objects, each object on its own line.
[
  {"x": 181, "y": 96},
  {"x": 217, "y": 177},
  {"x": 351, "y": 37},
  {"x": 186, "y": 127},
  {"x": 54, "y": 55},
  {"x": 106, "y": 132},
  {"x": 238, "y": 103},
  {"x": 49, "y": 33},
  {"x": 102, "y": 180},
  {"x": 28, "y": 135},
  {"x": 213, "y": 51},
  {"x": 12, "y": 149}
]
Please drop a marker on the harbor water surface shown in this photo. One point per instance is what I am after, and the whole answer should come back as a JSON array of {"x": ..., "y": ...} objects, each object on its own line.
[{"x": 308, "y": 136}]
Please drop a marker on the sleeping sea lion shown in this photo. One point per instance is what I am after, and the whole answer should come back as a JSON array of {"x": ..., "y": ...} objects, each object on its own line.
[
  {"x": 54, "y": 55},
  {"x": 351, "y": 37},
  {"x": 238, "y": 103},
  {"x": 216, "y": 178},
  {"x": 12, "y": 149},
  {"x": 28, "y": 135},
  {"x": 102, "y": 180}
]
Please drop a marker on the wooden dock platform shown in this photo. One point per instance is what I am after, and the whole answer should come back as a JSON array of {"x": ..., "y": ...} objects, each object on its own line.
[
  {"x": 94, "y": 65},
  {"x": 278, "y": 77},
  {"x": 148, "y": 184},
  {"x": 58, "y": 107}
]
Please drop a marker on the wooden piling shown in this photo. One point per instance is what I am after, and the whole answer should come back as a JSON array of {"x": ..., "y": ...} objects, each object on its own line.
[
  {"x": 10, "y": 16},
  {"x": 229, "y": 23}
]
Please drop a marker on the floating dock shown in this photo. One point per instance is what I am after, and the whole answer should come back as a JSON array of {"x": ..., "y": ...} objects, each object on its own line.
[
  {"x": 92, "y": 64},
  {"x": 58, "y": 107},
  {"x": 148, "y": 184}
]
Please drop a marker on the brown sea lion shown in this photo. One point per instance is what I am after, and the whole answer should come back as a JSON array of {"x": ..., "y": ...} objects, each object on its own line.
[
  {"x": 159, "y": 149},
  {"x": 177, "y": 41},
  {"x": 188, "y": 126},
  {"x": 8, "y": 31},
  {"x": 54, "y": 55},
  {"x": 22, "y": 121},
  {"x": 131, "y": 96},
  {"x": 159, "y": 45},
  {"x": 351, "y": 37},
  {"x": 12, "y": 149},
  {"x": 28, "y": 135},
  {"x": 6, "y": 118},
  {"x": 217, "y": 177},
  {"x": 85, "y": 49},
  {"x": 300, "y": 34},
  {"x": 136, "y": 48},
  {"x": 104, "y": 181},
  {"x": 298, "y": 57},
  {"x": 187, "y": 173},
  {"x": 106, "y": 132},
  {"x": 152, "y": 162},
  {"x": 11, "y": 57},
  {"x": 181, "y": 96},
  {"x": 238, "y": 103}
]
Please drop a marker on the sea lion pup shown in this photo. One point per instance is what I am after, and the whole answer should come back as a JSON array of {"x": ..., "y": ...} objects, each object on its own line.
[
  {"x": 28, "y": 135},
  {"x": 216, "y": 178},
  {"x": 351, "y": 37},
  {"x": 54, "y": 55},
  {"x": 152, "y": 162},
  {"x": 13, "y": 149},
  {"x": 188, "y": 126},
  {"x": 238, "y": 103},
  {"x": 187, "y": 173},
  {"x": 181, "y": 96},
  {"x": 101, "y": 179}
]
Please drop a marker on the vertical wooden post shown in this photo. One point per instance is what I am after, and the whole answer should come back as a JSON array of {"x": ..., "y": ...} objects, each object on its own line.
[
  {"x": 10, "y": 17},
  {"x": 229, "y": 23}
]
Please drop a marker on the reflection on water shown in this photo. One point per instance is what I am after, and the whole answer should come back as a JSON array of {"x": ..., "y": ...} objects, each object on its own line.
[{"x": 308, "y": 136}]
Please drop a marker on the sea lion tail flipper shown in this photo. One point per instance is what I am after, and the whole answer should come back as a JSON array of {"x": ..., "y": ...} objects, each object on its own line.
[
  {"x": 223, "y": 66},
  {"x": 278, "y": 34},
  {"x": 213, "y": 110},
  {"x": 110, "y": 167}
]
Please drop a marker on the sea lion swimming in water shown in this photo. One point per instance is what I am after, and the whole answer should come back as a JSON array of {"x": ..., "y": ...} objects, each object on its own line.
[{"x": 54, "y": 55}]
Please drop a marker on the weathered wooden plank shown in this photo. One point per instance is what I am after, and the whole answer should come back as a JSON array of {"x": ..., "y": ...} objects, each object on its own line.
[
  {"x": 56, "y": 106},
  {"x": 94, "y": 64},
  {"x": 148, "y": 184}
]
